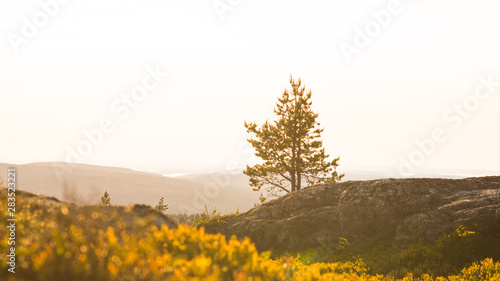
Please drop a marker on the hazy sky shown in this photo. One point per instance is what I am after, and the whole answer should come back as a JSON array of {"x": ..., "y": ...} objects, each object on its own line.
[{"x": 65, "y": 68}]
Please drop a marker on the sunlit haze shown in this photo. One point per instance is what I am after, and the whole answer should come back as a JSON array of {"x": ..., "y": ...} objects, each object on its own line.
[{"x": 422, "y": 89}]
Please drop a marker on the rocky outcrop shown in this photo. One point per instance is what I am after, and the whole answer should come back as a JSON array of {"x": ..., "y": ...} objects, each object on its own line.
[
  {"x": 398, "y": 211},
  {"x": 93, "y": 215}
]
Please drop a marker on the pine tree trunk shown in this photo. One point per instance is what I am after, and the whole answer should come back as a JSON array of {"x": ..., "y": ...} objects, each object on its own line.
[
  {"x": 299, "y": 180},
  {"x": 294, "y": 165}
]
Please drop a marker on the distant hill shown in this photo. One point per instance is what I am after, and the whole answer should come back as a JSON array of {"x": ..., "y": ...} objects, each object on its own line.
[
  {"x": 85, "y": 184},
  {"x": 227, "y": 191}
]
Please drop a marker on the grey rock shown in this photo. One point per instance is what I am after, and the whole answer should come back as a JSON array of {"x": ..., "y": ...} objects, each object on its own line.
[{"x": 398, "y": 211}]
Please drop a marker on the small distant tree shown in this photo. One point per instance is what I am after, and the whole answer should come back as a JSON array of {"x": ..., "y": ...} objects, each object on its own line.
[
  {"x": 105, "y": 199},
  {"x": 290, "y": 147},
  {"x": 161, "y": 207}
]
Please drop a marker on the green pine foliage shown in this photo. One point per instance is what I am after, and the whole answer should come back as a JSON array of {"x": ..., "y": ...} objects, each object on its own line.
[
  {"x": 290, "y": 147},
  {"x": 161, "y": 206},
  {"x": 106, "y": 199}
]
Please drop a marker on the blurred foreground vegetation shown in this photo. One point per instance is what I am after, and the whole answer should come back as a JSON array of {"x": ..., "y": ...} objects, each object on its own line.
[{"x": 55, "y": 241}]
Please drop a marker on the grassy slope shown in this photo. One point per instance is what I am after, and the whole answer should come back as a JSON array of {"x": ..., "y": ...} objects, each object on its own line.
[{"x": 57, "y": 241}]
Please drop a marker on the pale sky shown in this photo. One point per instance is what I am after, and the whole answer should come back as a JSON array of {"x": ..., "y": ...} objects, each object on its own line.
[{"x": 425, "y": 60}]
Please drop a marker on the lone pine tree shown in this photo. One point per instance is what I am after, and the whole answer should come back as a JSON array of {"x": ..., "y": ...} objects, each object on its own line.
[
  {"x": 290, "y": 147},
  {"x": 106, "y": 199},
  {"x": 161, "y": 206}
]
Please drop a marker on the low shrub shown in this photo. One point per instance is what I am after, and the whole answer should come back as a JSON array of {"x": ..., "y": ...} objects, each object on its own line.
[{"x": 61, "y": 242}]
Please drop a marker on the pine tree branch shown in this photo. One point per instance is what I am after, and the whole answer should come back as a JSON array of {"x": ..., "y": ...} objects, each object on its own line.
[{"x": 268, "y": 181}]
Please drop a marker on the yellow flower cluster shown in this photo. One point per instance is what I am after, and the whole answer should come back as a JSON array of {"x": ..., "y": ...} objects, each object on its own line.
[{"x": 63, "y": 242}]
